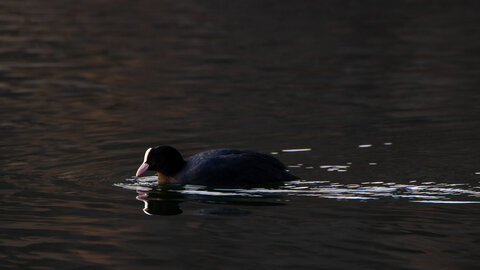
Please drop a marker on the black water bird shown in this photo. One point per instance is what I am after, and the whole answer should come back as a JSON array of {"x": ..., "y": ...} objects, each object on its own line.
[{"x": 221, "y": 167}]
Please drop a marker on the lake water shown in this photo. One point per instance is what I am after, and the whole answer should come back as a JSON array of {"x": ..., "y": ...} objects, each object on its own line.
[{"x": 375, "y": 105}]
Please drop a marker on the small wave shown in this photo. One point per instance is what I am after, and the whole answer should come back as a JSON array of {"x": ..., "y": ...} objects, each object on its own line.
[
  {"x": 425, "y": 192},
  {"x": 296, "y": 150}
]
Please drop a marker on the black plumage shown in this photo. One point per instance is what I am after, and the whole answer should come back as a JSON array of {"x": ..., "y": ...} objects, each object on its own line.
[{"x": 221, "y": 167}]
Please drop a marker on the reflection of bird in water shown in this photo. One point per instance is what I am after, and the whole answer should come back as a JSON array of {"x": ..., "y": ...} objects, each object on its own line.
[
  {"x": 224, "y": 167},
  {"x": 165, "y": 200},
  {"x": 161, "y": 202}
]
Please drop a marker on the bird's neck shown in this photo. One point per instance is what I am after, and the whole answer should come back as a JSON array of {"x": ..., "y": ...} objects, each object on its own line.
[{"x": 163, "y": 179}]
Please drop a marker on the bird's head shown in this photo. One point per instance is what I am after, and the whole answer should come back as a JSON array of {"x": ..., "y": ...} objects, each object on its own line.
[{"x": 163, "y": 159}]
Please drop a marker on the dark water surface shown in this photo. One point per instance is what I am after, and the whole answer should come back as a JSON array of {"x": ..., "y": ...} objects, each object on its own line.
[{"x": 383, "y": 97}]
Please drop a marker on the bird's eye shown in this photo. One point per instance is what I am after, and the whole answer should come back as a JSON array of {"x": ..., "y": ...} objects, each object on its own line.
[{"x": 146, "y": 155}]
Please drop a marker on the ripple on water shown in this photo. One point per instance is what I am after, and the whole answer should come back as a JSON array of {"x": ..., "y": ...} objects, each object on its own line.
[{"x": 425, "y": 192}]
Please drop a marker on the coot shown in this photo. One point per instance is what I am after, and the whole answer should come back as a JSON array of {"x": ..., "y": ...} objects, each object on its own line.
[{"x": 221, "y": 167}]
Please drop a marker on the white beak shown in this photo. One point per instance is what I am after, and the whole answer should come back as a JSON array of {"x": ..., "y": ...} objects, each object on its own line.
[{"x": 143, "y": 168}]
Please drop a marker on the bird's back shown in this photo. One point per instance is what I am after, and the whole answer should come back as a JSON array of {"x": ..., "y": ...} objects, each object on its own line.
[{"x": 228, "y": 167}]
